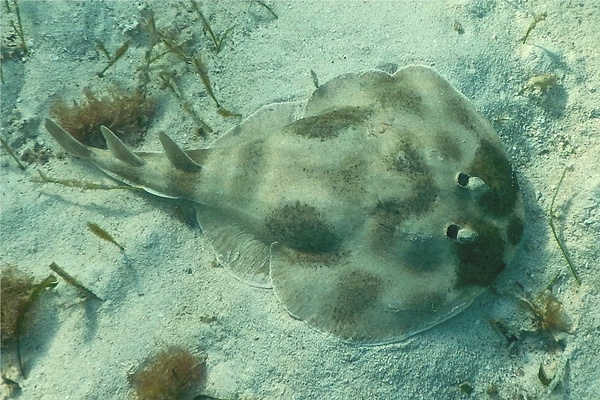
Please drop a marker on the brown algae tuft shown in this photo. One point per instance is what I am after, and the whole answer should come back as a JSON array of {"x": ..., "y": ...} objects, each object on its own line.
[
  {"x": 168, "y": 375},
  {"x": 123, "y": 112}
]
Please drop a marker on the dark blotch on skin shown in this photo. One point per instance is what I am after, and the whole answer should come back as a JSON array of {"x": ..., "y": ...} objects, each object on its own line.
[
  {"x": 251, "y": 156},
  {"x": 302, "y": 228},
  {"x": 448, "y": 147},
  {"x": 392, "y": 92},
  {"x": 480, "y": 262},
  {"x": 423, "y": 197},
  {"x": 515, "y": 230},
  {"x": 408, "y": 161},
  {"x": 393, "y": 211},
  {"x": 458, "y": 108},
  {"x": 491, "y": 165},
  {"x": 358, "y": 291},
  {"x": 390, "y": 213},
  {"x": 348, "y": 178},
  {"x": 329, "y": 125}
]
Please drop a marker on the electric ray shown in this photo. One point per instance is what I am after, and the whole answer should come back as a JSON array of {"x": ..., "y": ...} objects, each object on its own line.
[{"x": 377, "y": 209}]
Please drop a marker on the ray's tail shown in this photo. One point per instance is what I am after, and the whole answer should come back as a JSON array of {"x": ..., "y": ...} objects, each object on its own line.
[{"x": 164, "y": 174}]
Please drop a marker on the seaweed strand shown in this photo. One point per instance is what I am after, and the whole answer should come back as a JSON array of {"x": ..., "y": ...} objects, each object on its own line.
[
  {"x": 40, "y": 288},
  {"x": 81, "y": 184},
  {"x": 553, "y": 229},
  {"x": 18, "y": 28},
  {"x": 11, "y": 153},
  {"x": 88, "y": 294}
]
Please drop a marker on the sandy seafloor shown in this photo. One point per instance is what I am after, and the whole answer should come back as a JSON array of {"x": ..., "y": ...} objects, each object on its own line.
[{"x": 165, "y": 289}]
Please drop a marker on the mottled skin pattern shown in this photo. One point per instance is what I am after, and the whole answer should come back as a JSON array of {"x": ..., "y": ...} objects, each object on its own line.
[{"x": 379, "y": 208}]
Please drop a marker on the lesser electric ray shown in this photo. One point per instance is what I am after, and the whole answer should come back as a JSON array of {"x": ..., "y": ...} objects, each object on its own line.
[{"x": 377, "y": 209}]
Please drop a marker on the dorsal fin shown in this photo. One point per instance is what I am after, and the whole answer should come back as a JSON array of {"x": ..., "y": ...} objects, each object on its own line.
[
  {"x": 178, "y": 158},
  {"x": 67, "y": 141},
  {"x": 119, "y": 149}
]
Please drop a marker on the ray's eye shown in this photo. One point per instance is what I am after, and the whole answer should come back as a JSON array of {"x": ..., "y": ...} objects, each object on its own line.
[
  {"x": 475, "y": 185},
  {"x": 461, "y": 234},
  {"x": 452, "y": 231},
  {"x": 463, "y": 179}
]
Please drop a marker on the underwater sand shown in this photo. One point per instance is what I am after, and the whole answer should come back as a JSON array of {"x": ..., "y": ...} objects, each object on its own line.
[{"x": 165, "y": 289}]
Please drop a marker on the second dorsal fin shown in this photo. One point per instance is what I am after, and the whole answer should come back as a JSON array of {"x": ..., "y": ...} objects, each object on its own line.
[
  {"x": 119, "y": 149},
  {"x": 177, "y": 157}
]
